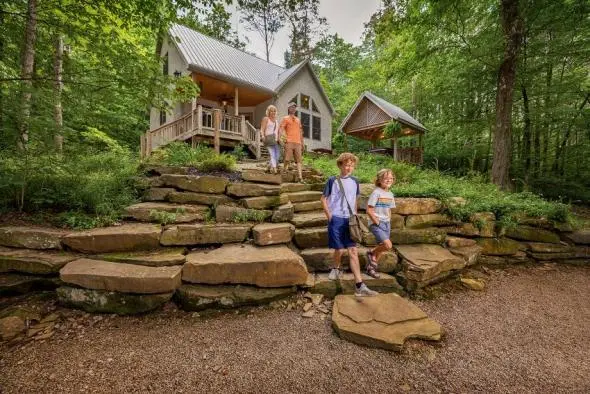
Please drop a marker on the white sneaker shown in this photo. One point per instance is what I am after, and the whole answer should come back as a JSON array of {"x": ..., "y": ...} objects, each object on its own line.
[
  {"x": 364, "y": 291},
  {"x": 334, "y": 274}
]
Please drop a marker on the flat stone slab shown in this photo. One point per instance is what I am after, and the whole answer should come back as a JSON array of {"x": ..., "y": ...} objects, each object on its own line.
[
  {"x": 304, "y": 196},
  {"x": 458, "y": 242},
  {"x": 265, "y": 202},
  {"x": 529, "y": 233},
  {"x": 125, "y": 278},
  {"x": 272, "y": 233},
  {"x": 307, "y": 206},
  {"x": 14, "y": 283},
  {"x": 262, "y": 177},
  {"x": 309, "y": 219},
  {"x": 428, "y": 220},
  {"x": 498, "y": 246},
  {"x": 31, "y": 237},
  {"x": 411, "y": 236},
  {"x": 580, "y": 236},
  {"x": 199, "y": 184},
  {"x": 416, "y": 206},
  {"x": 247, "y": 189},
  {"x": 424, "y": 262},
  {"x": 157, "y": 193},
  {"x": 34, "y": 261},
  {"x": 103, "y": 301},
  {"x": 201, "y": 297},
  {"x": 294, "y": 187},
  {"x": 126, "y": 238},
  {"x": 197, "y": 198},
  {"x": 316, "y": 237},
  {"x": 540, "y": 247},
  {"x": 204, "y": 234},
  {"x": 233, "y": 214},
  {"x": 384, "y": 321},
  {"x": 283, "y": 213},
  {"x": 180, "y": 213},
  {"x": 470, "y": 254},
  {"x": 270, "y": 266},
  {"x": 156, "y": 258}
]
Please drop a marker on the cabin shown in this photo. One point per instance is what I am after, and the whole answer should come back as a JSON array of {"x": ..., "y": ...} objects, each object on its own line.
[
  {"x": 235, "y": 89},
  {"x": 368, "y": 119}
]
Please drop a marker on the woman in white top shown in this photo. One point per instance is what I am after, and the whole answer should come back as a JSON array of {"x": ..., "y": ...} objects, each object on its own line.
[{"x": 269, "y": 130}]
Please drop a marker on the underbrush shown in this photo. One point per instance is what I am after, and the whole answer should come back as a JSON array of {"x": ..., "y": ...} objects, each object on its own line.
[
  {"x": 481, "y": 196},
  {"x": 202, "y": 157}
]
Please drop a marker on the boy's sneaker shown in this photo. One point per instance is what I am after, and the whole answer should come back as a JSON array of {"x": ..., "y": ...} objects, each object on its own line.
[
  {"x": 334, "y": 274},
  {"x": 364, "y": 291}
]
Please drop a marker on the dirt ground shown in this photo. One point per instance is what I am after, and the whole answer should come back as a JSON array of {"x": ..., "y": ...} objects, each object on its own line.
[{"x": 527, "y": 332}]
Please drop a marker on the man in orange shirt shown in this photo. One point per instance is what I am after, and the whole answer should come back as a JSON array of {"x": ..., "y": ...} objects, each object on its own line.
[{"x": 291, "y": 127}]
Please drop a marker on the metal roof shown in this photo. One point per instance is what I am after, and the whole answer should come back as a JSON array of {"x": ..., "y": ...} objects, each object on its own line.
[{"x": 393, "y": 111}]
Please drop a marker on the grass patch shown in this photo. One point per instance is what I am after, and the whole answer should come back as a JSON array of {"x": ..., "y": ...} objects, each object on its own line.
[
  {"x": 481, "y": 196},
  {"x": 250, "y": 215}
]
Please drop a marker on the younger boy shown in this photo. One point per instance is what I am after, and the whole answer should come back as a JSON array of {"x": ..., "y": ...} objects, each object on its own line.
[{"x": 334, "y": 202}]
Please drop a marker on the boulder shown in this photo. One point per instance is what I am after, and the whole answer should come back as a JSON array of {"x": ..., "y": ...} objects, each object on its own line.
[
  {"x": 304, "y": 196},
  {"x": 199, "y": 184},
  {"x": 283, "y": 213},
  {"x": 262, "y": 177},
  {"x": 104, "y": 301},
  {"x": 156, "y": 258},
  {"x": 203, "y": 234},
  {"x": 247, "y": 189},
  {"x": 528, "y": 233},
  {"x": 125, "y": 238},
  {"x": 272, "y": 233},
  {"x": 309, "y": 219},
  {"x": 416, "y": 206},
  {"x": 265, "y": 202},
  {"x": 270, "y": 266},
  {"x": 578, "y": 237},
  {"x": 428, "y": 220},
  {"x": 294, "y": 187},
  {"x": 157, "y": 193},
  {"x": 424, "y": 263},
  {"x": 315, "y": 237},
  {"x": 125, "y": 278},
  {"x": 384, "y": 321},
  {"x": 151, "y": 211},
  {"x": 307, "y": 206},
  {"x": 12, "y": 283},
  {"x": 33, "y": 261},
  {"x": 232, "y": 214},
  {"x": 498, "y": 246},
  {"x": 470, "y": 254},
  {"x": 198, "y": 198},
  {"x": 31, "y": 237},
  {"x": 385, "y": 284},
  {"x": 417, "y": 236},
  {"x": 11, "y": 327},
  {"x": 458, "y": 242},
  {"x": 201, "y": 297}
]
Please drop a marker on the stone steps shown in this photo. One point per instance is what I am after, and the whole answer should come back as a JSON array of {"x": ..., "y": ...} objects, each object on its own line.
[
  {"x": 304, "y": 196},
  {"x": 309, "y": 219},
  {"x": 158, "y": 212},
  {"x": 320, "y": 284}
]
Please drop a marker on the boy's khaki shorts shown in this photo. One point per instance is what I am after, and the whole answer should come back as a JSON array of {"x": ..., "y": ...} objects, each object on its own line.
[{"x": 293, "y": 150}]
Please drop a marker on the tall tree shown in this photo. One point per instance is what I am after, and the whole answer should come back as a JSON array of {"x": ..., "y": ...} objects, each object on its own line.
[
  {"x": 27, "y": 64},
  {"x": 306, "y": 26},
  {"x": 264, "y": 17}
]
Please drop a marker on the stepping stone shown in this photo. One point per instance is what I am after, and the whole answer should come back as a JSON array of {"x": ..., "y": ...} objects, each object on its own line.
[
  {"x": 265, "y": 202},
  {"x": 428, "y": 220},
  {"x": 199, "y": 184},
  {"x": 271, "y": 266},
  {"x": 198, "y": 198},
  {"x": 151, "y": 212},
  {"x": 232, "y": 214},
  {"x": 204, "y": 234},
  {"x": 498, "y": 246},
  {"x": 528, "y": 233},
  {"x": 470, "y": 254},
  {"x": 262, "y": 177},
  {"x": 283, "y": 213},
  {"x": 310, "y": 219},
  {"x": 294, "y": 187},
  {"x": 425, "y": 263},
  {"x": 157, "y": 258},
  {"x": 11, "y": 284},
  {"x": 304, "y": 196},
  {"x": 103, "y": 301},
  {"x": 201, "y": 297},
  {"x": 385, "y": 284},
  {"x": 34, "y": 262},
  {"x": 307, "y": 206},
  {"x": 247, "y": 189},
  {"x": 125, "y": 278},
  {"x": 157, "y": 193},
  {"x": 384, "y": 321},
  {"x": 31, "y": 237},
  {"x": 416, "y": 206},
  {"x": 458, "y": 242},
  {"x": 272, "y": 233},
  {"x": 125, "y": 238},
  {"x": 315, "y": 237}
]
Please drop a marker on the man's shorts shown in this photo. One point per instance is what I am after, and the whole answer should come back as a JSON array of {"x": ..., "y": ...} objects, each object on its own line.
[
  {"x": 339, "y": 234},
  {"x": 293, "y": 150},
  {"x": 382, "y": 231}
]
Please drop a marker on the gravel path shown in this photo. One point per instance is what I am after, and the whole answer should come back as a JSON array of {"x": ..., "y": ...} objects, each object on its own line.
[{"x": 528, "y": 332}]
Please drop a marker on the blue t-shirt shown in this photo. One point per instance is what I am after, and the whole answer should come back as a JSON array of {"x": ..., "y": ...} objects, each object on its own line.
[{"x": 333, "y": 194}]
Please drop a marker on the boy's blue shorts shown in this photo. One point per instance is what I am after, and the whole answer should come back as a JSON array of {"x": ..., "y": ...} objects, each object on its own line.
[
  {"x": 381, "y": 231},
  {"x": 339, "y": 234}
]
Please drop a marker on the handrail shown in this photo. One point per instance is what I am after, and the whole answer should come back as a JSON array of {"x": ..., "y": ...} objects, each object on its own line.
[{"x": 252, "y": 136}]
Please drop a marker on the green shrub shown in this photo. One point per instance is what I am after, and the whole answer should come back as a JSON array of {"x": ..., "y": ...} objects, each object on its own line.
[
  {"x": 221, "y": 162},
  {"x": 239, "y": 152},
  {"x": 202, "y": 157}
]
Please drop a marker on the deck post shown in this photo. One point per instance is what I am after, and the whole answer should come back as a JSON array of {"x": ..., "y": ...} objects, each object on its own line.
[
  {"x": 395, "y": 152},
  {"x": 236, "y": 104},
  {"x": 193, "y": 107},
  {"x": 199, "y": 125},
  {"x": 216, "y": 130},
  {"x": 148, "y": 143},
  {"x": 243, "y": 127},
  {"x": 257, "y": 142}
]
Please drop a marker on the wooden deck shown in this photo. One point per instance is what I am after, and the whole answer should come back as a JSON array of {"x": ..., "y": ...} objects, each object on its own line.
[{"x": 204, "y": 122}]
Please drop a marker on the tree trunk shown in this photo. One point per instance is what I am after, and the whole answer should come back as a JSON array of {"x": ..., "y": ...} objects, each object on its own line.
[
  {"x": 58, "y": 87},
  {"x": 526, "y": 132},
  {"x": 560, "y": 148},
  {"x": 512, "y": 28},
  {"x": 27, "y": 62}
]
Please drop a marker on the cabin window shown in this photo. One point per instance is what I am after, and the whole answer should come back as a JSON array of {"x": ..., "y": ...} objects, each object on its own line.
[
  {"x": 165, "y": 64},
  {"x": 305, "y": 101},
  {"x": 316, "y": 128},
  {"x": 305, "y": 123},
  {"x": 162, "y": 117}
]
